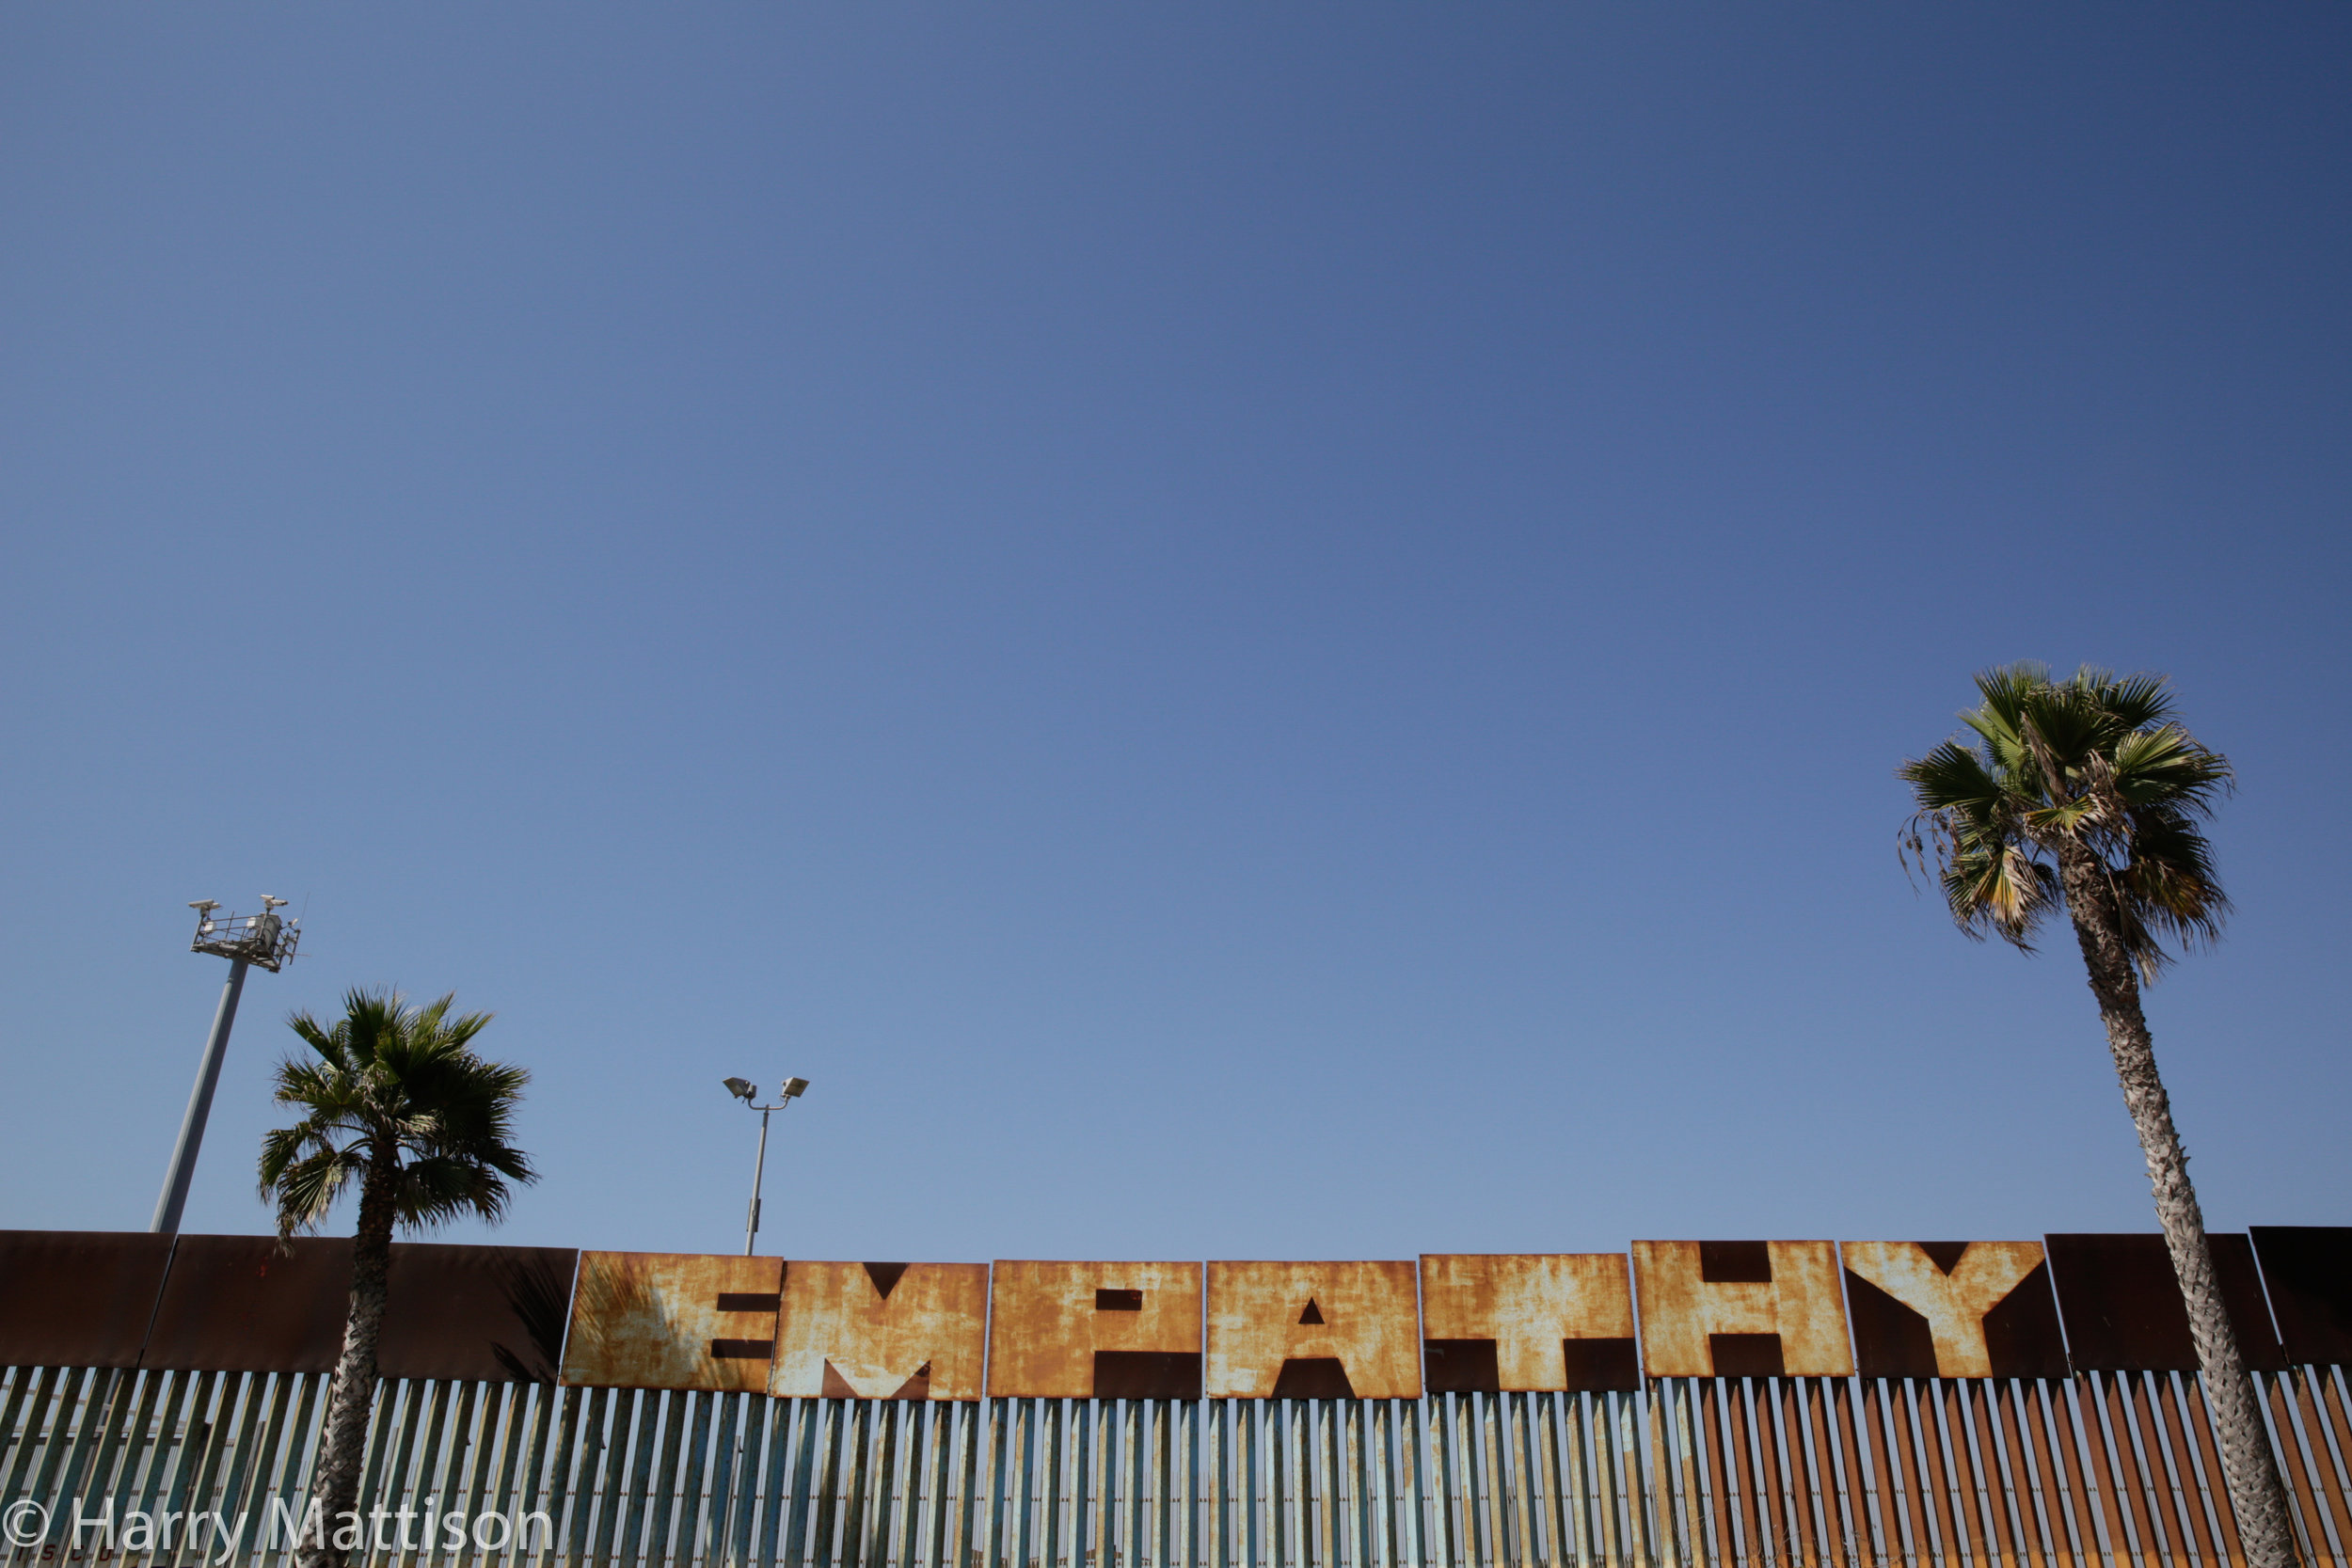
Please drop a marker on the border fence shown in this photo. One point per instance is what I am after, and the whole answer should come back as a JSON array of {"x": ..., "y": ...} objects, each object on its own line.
[
  {"x": 161, "y": 1403},
  {"x": 2096, "y": 1469}
]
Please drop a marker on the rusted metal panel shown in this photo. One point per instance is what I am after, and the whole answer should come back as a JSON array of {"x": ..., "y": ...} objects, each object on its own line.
[
  {"x": 78, "y": 1298},
  {"x": 1312, "y": 1331},
  {"x": 233, "y": 1303},
  {"x": 1952, "y": 1310},
  {"x": 668, "y": 1320},
  {"x": 883, "y": 1331},
  {"x": 1528, "y": 1322},
  {"x": 1741, "y": 1310},
  {"x": 2308, "y": 1270},
  {"x": 2121, "y": 1303},
  {"x": 1059, "y": 1330},
  {"x": 486, "y": 1314}
]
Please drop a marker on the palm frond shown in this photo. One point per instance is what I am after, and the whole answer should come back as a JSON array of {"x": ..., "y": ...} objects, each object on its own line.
[
  {"x": 2094, "y": 763},
  {"x": 332, "y": 1044},
  {"x": 2167, "y": 765},
  {"x": 438, "y": 1189},
  {"x": 2004, "y": 691},
  {"x": 305, "y": 1188},
  {"x": 2170, "y": 881},
  {"x": 1950, "y": 777},
  {"x": 2065, "y": 728},
  {"x": 2139, "y": 701},
  {"x": 1997, "y": 891},
  {"x": 397, "y": 1090}
]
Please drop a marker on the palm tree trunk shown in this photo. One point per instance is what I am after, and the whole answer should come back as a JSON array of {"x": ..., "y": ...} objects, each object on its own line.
[
  {"x": 336, "y": 1487},
  {"x": 2248, "y": 1464}
]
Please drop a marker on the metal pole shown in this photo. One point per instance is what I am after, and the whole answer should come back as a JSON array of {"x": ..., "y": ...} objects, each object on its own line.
[
  {"x": 175, "y": 1195},
  {"x": 760, "y": 1168}
]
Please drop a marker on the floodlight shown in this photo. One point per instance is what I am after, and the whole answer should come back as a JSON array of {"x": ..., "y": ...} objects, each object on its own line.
[{"x": 791, "y": 1090}]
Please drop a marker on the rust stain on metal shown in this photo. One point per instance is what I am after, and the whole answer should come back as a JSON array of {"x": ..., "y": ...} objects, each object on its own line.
[
  {"x": 1049, "y": 1322},
  {"x": 1791, "y": 1319},
  {"x": 881, "y": 1331},
  {"x": 654, "y": 1319},
  {"x": 1953, "y": 1301},
  {"x": 1528, "y": 1305},
  {"x": 1313, "y": 1330}
]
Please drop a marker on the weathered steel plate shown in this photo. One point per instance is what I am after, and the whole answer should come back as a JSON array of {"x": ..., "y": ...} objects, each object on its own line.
[
  {"x": 485, "y": 1314},
  {"x": 1741, "y": 1310},
  {"x": 883, "y": 1331},
  {"x": 668, "y": 1320},
  {"x": 2121, "y": 1303},
  {"x": 1952, "y": 1310},
  {"x": 78, "y": 1298},
  {"x": 2308, "y": 1270},
  {"x": 232, "y": 1304},
  {"x": 1542, "y": 1322},
  {"x": 1078, "y": 1331},
  {"x": 1312, "y": 1331}
]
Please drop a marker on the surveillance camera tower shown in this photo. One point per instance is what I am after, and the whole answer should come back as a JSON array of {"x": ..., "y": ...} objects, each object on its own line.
[{"x": 244, "y": 939}]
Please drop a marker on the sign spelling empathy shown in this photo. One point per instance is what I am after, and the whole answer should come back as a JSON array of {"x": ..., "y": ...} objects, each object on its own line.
[{"x": 1454, "y": 1323}]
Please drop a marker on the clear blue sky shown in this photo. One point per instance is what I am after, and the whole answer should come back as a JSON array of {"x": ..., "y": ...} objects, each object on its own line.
[{"x": 1247, "y": 631}]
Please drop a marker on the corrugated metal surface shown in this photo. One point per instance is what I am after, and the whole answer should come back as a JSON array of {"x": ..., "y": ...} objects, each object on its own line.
[{"x": 2102, "y": 1472}]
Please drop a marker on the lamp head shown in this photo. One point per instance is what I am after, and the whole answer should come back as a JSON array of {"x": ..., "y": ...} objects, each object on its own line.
[
  {"x": 740, "y": 1089},
  {"x": 793, "y": 1088}
]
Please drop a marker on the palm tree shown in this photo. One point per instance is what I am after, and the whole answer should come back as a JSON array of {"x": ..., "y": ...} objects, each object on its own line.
[
  {"x": 394, "y": 1101},
  {"x": 2089, "y": 794}
]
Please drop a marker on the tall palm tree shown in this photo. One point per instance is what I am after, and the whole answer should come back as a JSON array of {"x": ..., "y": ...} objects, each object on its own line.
[
  {"x": 2087, "y": 793},
  {"x": 394, "y": 1101}
]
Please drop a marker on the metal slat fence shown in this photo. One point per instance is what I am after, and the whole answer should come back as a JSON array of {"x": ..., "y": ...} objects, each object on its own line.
[{"x": 2103, "y": 1471}]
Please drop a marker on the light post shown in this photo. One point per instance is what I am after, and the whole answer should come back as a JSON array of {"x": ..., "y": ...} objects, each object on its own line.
[
  {"x": 242, "y": 940},
  {"x": 791, "y": 1090}
]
